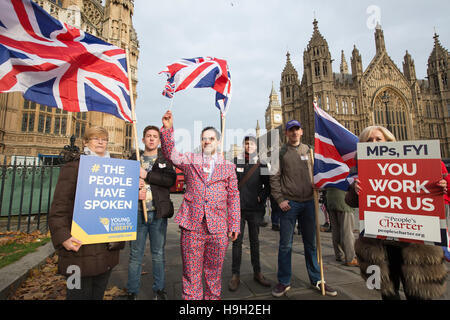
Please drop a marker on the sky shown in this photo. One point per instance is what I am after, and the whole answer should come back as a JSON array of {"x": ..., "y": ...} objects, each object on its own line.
[{"x": 254, "y": 37}]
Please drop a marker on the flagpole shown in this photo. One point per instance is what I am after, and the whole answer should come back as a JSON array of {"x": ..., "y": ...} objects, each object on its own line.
[
  {"x": 133, "y": 115},
  {"x": 316, "y": 205},
  {"x": 171, "y": 103},
  {"x": 222, "y": 125}
]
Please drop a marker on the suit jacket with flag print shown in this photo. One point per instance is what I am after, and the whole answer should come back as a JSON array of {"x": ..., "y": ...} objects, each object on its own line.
[{"x": 216, "y": 200}]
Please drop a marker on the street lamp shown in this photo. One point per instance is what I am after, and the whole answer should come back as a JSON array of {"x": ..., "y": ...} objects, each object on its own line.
[{"x": 385, "y": 99}]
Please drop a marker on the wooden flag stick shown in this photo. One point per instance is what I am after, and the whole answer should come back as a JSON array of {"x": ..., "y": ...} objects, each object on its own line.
[
  {"x": 133, "y": 115},
  {"x": 316, "y": 205},
  {"x": 171, "y": 103},
  {"x": 222, "y": 117}
]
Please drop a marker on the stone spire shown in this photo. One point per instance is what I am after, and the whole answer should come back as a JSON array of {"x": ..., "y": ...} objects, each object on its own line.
[
  {"x": 438, "y": 66},
  {"x": 439, "y": 52},
  {"x": 379, "y": 39},
  {"x": 344, "y": 65},
  {"x": 273, "y": 92},
  {"x": 356, "y": 62},
  {"x": 273, "y": 98},
  {"x": 289, "y": 68},
  {"x": 317, "y": 39},
  {"x": 409, "y": 69}
]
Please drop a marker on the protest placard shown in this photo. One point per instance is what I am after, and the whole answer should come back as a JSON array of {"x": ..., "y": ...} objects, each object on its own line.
[
  {"x": 106, "y": 200},
  {"x": 400, "y": 198}
]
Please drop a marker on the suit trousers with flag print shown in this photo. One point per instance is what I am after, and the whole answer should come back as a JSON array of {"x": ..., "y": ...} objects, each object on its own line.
[
  {"x": 202, "y": 252},
  {"x": 209, "y": 211}
]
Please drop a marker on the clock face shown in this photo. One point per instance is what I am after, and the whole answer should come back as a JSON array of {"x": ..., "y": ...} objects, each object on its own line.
[{"x": 277, "y": 117}]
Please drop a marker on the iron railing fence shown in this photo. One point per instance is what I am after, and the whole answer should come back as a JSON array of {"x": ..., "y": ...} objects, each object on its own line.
[{"x": 26, "y": 194}]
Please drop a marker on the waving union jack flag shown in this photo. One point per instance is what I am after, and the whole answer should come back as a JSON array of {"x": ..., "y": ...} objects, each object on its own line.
[
  {"x": 169, "y": 90},
  {"x": 57, "y": 65},
  {"x": 334, "y": 152},
  {"x": 202, "y": 72}
]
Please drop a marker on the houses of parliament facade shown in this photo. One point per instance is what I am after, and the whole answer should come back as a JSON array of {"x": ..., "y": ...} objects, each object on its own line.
[
  {"x": 30, "y": 129},
  {"x": 381, "y": 94}
]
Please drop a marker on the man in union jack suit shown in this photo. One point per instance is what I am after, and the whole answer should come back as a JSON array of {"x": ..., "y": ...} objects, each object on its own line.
[{"x": 210, "y": 213}]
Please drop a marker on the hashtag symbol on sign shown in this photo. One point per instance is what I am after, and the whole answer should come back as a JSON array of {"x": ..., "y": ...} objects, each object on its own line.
[{"x": 95, "y": 168}]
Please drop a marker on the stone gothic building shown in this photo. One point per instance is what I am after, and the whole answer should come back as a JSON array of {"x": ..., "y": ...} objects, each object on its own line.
[
  {"x": 30, "y": 129},
  {"x": 382, "y": 94}
]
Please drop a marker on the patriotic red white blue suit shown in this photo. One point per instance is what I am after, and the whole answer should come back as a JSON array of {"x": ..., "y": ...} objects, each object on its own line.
[{"x": 210, "y": 209}]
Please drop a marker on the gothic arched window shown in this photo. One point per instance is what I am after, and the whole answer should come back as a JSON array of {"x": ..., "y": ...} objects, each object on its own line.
[
  {"x": 392, "y": 114},
  {"x": 317, "y": 69}
]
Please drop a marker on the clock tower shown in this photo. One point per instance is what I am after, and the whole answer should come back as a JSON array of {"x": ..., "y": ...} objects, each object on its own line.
[{"x": 273, "y": 116}]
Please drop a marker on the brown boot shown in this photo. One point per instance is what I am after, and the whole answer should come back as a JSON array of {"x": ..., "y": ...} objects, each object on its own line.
[
  {"x": 233, "y": 285},
  {"x": 353, "y": 263},
  {"x": 258, "y": 277}
]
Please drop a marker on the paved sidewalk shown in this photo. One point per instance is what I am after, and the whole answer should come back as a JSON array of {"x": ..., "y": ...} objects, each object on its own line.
[{"x": 346, "y": 280}]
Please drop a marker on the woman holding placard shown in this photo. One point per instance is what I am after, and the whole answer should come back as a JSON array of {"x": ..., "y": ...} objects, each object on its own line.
[
  {"x": 419, "y": 267},
  {"x": 446, "y": 176},
  {"x": 87, "y": 267}
]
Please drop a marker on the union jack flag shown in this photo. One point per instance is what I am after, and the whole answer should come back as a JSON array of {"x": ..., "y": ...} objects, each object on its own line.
[
  {"x": 169, "y": 90},
  {"x": 334, "y": 152},
  {"x": 57, "y": 65},
  {"x": 202, "y": 72}
]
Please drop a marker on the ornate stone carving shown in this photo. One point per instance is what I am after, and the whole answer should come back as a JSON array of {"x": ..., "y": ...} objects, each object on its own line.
[
  {"x": 383, "y": 73},
  {"x": 93, "y": 13}
]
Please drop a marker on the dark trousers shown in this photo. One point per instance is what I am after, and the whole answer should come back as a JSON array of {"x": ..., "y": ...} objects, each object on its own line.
[
  {"x": 91, "y": 288},
  {"x": 253, "y": 219},
  {"x": 395, "y": 260}
]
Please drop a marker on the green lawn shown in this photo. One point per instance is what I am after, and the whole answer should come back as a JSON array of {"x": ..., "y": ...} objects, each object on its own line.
[{"x": 12, "y": 252}]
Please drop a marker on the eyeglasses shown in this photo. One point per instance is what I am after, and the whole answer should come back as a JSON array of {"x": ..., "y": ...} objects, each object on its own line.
[
  {"x": 99, "y": 139},
  {"x": 205, "y": 139}
]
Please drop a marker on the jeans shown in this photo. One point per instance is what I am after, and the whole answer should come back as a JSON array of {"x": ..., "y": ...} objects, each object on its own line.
[
  {"x": 156, "y": 230},
  {"x": 304, "y": 211},
  {"x": 253, "y": 219}
]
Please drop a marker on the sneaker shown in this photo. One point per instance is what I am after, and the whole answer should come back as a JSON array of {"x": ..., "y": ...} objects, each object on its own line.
[
  {"x": 328, "y": 290},
  {"x": 160, "y": 295},
  {"x": 326, "y": 227},
  {"x": 280, "y": 290}
]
